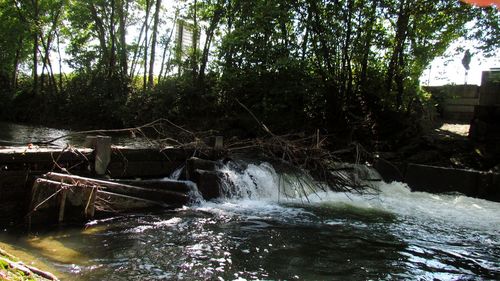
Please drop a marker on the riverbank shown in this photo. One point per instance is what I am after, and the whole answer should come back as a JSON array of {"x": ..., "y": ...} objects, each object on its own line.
[{"x": 13, "y": 269}]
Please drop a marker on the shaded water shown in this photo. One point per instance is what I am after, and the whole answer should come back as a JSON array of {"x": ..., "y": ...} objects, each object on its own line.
[
  {"x": 19, "y": 134},
  {"x": 396, "y": 235},
  {"x": 264, "y": 230}
]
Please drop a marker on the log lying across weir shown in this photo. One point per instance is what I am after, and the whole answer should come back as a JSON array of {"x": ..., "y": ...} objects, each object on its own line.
[
  {"x": 67, "y": 181},
  {"x": 82, "y": 196}
]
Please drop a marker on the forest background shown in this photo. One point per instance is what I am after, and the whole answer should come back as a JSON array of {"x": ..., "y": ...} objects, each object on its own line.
[{"x": 349, "y": 67}]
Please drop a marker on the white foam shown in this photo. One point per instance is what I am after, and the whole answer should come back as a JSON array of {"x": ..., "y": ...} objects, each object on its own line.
[{"x": 259, "y": 191}]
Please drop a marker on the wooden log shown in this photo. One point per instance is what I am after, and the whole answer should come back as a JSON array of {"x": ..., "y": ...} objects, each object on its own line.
[
  {"x": 164, "y": 184},
  {"x": 166, "y": 196},
  {"x": 90, "y": 196},
  {"x": 62, "y": 205},
  {"x": 145, "y": 202},
  {"x": 148, "y": 154},
  {"x": 90, "y": 208},
  {"x": 143, "y": 168},
  {"x": 54, "y": 201}
]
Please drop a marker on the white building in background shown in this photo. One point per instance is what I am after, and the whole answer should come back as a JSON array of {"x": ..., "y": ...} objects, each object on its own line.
[{"x": 185, "y": 40}]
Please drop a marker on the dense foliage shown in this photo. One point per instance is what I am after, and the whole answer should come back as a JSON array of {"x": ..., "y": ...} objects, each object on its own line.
[{"x": 298, "y": 65}]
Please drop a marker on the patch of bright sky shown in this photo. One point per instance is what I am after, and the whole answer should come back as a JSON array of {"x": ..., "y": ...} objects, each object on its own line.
[{"x": 448, "y": 69}]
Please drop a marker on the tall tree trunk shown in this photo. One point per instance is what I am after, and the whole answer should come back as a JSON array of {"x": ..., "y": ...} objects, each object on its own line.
[
  {"x": 146, "y": 49},
  {"x": 153, "y": 44},
  {"x": 137, "y": 51},
  {"x": 399, "y": 77},
  {"x": 47, "y": 45},
  {"x": 206, "y": 48},
  {"x": 35, "y": 47},
  {"x": 112, "y": 53},
  {"x": 346, "y": 76},
  {"x": 367, "y": 47},
  {"x": 101, "y": 34},
  {"x": 15, "y": 70},
  {"x": 194, "y": 62},
  {"x": 230, "y": 18},
  {"x": 60, "y": 62},
  {"x": 165, "y": 47},
  {"x": 122, "y": 29},
  {"x": 398, "y": 51},
  {"x": 306, "y": 35}
]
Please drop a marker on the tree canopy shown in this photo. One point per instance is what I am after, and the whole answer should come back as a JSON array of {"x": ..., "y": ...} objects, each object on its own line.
[{"x": 294, "y": 63}]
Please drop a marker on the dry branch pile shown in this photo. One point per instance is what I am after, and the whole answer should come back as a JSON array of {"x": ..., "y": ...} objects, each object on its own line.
[{"x": 306, "y": 155}]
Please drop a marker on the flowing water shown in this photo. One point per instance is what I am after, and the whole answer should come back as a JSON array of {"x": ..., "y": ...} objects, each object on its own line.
[
  {"x": 257, "y": 233},
  {"x": 12, "y": 134},
  {"x": 275, "y": 227}
]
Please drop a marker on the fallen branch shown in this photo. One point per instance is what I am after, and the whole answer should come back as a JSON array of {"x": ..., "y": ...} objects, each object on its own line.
[
  {"x": 131, "y": 130},
  {"x": 26, "y": 270}
]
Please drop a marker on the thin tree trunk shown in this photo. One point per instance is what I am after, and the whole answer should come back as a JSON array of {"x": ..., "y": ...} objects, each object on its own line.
[
  {"x": 394, "y": 64},
  {"x": 60, "y": 62},
  {"x": 167, "y": 43},
  {"x": 52, "y": 77},
  {"x": 168, "y": 65},
  {"x": 35, "y": 47},
  {"x": 153, "y": 44},
  {"x": 346, "y": 76},
  {"x": 137, "y": 51},
  {"x": 112, "y": 53},
  {"x": 101, "y": 34},
  {"x": 206, "y": 48},
  {"x": 16, "y": 64},
  {"x": 144, "y": 80},
  {"x": 47, "y": 47},
  {"x": 367, "y": 47},
  {"x": 194, "y": 63},
  {"x": 123, "y": 42},
  {"x": 229, "y": 55},
  {"x": 306, "y": 36}
]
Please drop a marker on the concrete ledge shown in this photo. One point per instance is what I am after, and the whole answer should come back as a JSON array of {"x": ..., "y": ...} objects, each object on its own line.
[
  {"x": 459, "y": 108},
  {"x": 462, "y": 101},
  {"x": 440, "y": 180}
]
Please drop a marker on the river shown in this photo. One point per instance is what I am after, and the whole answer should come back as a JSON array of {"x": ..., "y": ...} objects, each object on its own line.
[
  {"x": 259, "y": 234},
  {"x": 22, "y": 134}
]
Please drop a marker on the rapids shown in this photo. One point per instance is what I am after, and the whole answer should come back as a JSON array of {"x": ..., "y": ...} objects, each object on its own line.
[{"x": 268, "y": 228}]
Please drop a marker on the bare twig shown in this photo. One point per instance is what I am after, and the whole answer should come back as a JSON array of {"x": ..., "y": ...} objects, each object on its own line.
[{"x": 132, "y": 129}]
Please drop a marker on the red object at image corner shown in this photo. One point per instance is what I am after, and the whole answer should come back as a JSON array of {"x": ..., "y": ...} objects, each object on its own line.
[{"x": 483, "y": 3}]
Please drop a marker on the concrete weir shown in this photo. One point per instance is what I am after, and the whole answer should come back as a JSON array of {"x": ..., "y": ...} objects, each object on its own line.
[
  {"x": 62, "y": 185},
  {"x": 45, "y": 184},
  {"x": 433, "y": 179}
]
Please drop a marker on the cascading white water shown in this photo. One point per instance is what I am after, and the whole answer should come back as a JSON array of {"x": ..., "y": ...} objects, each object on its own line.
[
  {"x": 262, "y": 182},
  {"x": 177, "y": 173},
  {"x": 260, "y": 186}
]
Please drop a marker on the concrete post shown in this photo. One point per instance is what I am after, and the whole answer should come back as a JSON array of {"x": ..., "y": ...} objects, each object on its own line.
[
  {"x": 102, "y": 151},
  {"x": 219, "y": 142}
]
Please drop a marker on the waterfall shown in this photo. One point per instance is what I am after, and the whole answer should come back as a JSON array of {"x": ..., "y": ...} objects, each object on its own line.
[{"x": 262, "y": 181}]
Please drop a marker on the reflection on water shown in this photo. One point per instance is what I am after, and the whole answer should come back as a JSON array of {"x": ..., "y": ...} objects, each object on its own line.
[
  {"x": 262, "y": 240},
  {"x": 18, "y": 134},
  {"x": 24, "y": 134},
  {"x": 260, "y": 235}
]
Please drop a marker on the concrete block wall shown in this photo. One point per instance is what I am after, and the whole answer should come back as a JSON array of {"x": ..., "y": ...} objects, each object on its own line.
[
  {"x": 458, "y": 101},
  {"x": 490, "y": 88}
]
